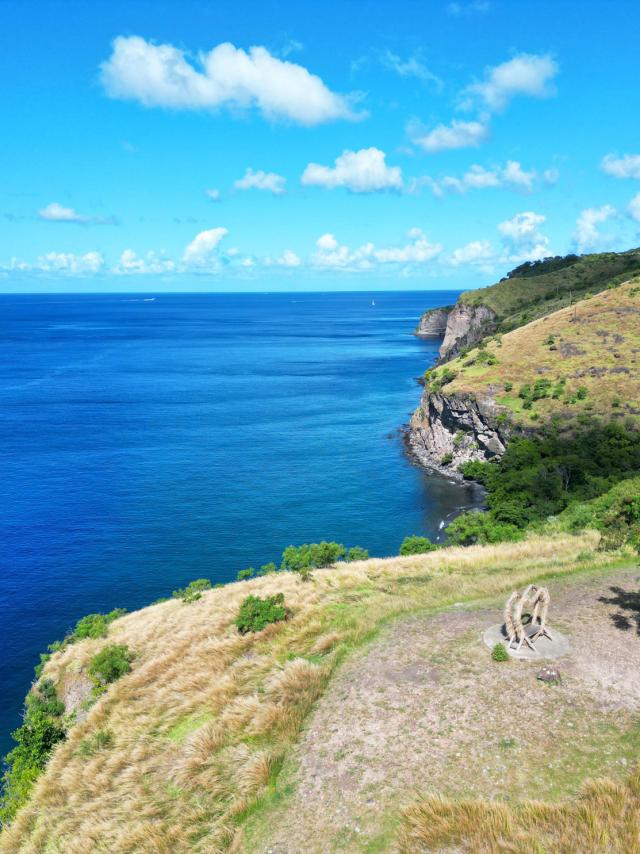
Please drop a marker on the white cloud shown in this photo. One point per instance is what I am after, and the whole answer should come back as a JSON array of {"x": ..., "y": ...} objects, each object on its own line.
[
  {"x": 203, "y": 249},
  {"x": 444, "y": 137},
  {"x": 511, "y": 175},
  {"x": 130, "y": 262},
  {"x": 412, "y": 66},
  {"x": 477, "y": 252},
  {"x": 332, "y": 254},
  {"x": 66, "y": 263},
  {"x": 363, "y": 171},
  {"x": 164, "y": 76},
  {"x": 587, "y": 235},
  {"x": 634, "y": 208},
  {"x": 269, "y": 181},
  {"x": 627, "y": 166},
  {"x": 214, "y": 195},
  {"x": 56, "y": 212},
  {"x": 522, "y": 238},
  {"x": 525, "y": 74},
  {"x": 327, "y": 242},
  {"x": 287, "y": 259}
]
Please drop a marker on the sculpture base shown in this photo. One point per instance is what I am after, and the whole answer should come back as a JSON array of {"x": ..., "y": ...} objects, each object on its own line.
[{"x": 545, "y": 647}]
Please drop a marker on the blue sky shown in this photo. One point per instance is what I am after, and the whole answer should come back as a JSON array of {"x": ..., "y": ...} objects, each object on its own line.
[{"x": 276, "y": 145}]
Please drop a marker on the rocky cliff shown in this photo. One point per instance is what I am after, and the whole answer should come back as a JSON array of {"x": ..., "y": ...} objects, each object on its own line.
[
  {"x": 449, "y": 429},
  {"x": 466, "y": 326},
  {"x": 433, "y": 323}
]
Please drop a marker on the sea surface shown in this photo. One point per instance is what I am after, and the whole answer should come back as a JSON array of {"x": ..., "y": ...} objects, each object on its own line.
[{"x": 145, "y": 442}]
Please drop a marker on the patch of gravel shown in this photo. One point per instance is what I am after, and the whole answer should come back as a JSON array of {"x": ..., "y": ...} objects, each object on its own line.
[{"x": 425, "y": 709}]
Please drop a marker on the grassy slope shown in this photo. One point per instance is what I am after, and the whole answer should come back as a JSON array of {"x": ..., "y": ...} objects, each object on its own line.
[
  {"x": 205, "y": 719},
  {"x": 597, "y": 345},
  {"x": 519, "y": 300}
]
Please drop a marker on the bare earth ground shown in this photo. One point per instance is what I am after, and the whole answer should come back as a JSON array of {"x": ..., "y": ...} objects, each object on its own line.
[{"x": 424, "y": 709}]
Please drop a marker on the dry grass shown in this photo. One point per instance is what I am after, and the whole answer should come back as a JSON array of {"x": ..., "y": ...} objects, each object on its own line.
[
  {"x": 597, "y": 346},
  {"x": 604, "y": 819},
  {"x": 202, "y": 723}
]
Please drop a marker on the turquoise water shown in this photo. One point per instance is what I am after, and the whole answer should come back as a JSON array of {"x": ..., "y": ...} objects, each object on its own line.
[{"x": 146, "y": 442}]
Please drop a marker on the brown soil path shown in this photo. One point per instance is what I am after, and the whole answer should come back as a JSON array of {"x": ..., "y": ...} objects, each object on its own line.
[{"x": 425, "y": 709}]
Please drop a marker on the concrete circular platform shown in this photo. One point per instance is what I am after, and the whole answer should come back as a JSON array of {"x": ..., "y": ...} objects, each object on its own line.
[{"x": 555, "y": 647}]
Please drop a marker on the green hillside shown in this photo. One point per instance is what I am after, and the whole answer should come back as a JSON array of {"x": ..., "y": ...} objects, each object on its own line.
[{"x": 535, "y": 289}]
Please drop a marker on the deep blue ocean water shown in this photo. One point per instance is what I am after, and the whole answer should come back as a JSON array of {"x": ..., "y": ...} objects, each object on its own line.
[{"x": 146, "y": 442}]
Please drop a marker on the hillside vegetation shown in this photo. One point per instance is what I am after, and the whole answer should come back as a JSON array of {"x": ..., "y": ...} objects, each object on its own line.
[
  {"x": 579, "y": 361},
  {"x": 538, "y": 288},
  {"x": 179, "y": 752}
]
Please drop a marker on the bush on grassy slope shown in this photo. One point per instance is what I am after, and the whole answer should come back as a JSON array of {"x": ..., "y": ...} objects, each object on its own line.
[
  {"x": 540, "y": 477},
  {"x": 256, "y": 613},
  {"x": 41, "y": 730}
]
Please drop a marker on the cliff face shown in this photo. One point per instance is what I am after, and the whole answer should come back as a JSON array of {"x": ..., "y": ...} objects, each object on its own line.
[
  {"x": 449, "y": 429},
  {"x": 466, "y": 326},
  {"x": 433, "y": 323}
]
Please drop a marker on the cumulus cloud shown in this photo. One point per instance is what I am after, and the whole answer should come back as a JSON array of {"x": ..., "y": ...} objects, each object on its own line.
[
  {"x": 477, "y": 252},
  {"x": 65, "y": 263},
  {"x": 165, "y": 76},
  {"x": 526, "y": 74},
  {"x": 363, "y": 171},
  {"x": 633, "y": 208},
  {"x": 202, "y": 252},
  {"x": 627, "y": 166},
  {"x": 213, "y": 194},
  {"x": 269, "y": 181},
  {"x": 522, "y": 237},
  {"x": 287, "y": 259},
  {"x": 458, "y": 134},
  {"x": 331, "y": 254},
  {"x": 587, "y": 234},
  {"x": 56, "y": 212},
  {"x": 130, "y": 262},
  {"x": 511, "y": 176}
]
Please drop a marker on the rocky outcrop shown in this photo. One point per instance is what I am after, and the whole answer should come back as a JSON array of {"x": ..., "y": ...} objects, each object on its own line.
[
  {"x": 450, "y": 429},
  {"x": 433, "y": 323},
  {"x": 466, "y": 326}
]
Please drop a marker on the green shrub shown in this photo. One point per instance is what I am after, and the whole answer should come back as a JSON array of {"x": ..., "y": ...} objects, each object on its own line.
[
  {"x": 416, "y": 545},
  {"x": 508, "y": 386},
  {"x": 448, "y": 457},
  {"x": 244, "y": 574},
  {"x": 94, "y": 625},
  {"x": 357, "y": 553},
  {"x": 311, "y": 556},
  {"x": 41, "y": 730},
  {"x": 256, "y": 613},
  {"x": 499, "y": 652},
  {"x": 582, "y": 392},
  {"x": 541, "y": 476},
  {"x": 477, "y": 527},
  {"x": 267, "y": 568},
  {"x": 109, "y": 664},
  {"x": 193, "y": 591}
]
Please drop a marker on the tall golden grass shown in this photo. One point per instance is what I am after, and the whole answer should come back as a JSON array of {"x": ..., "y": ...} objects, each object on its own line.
[
  {"x": 202, "y": 723},
  {"x": 604, "y": 819}
]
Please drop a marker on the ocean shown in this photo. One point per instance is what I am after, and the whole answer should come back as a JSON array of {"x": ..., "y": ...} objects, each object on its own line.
[{"x": 147, "y": 441}]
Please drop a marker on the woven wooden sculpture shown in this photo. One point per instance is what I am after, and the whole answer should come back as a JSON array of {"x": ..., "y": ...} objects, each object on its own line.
[{"x": 533, "y": 602}]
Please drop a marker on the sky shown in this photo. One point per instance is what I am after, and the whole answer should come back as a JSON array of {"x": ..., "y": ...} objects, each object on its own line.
[{"x": 245, "y": 146}]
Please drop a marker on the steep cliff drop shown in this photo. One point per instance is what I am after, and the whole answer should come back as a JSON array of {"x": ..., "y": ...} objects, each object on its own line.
[
  {"x": 433, "y": 323},
  {"x": 466, "y": 326},
  {"x": 449, "y": 429}
]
